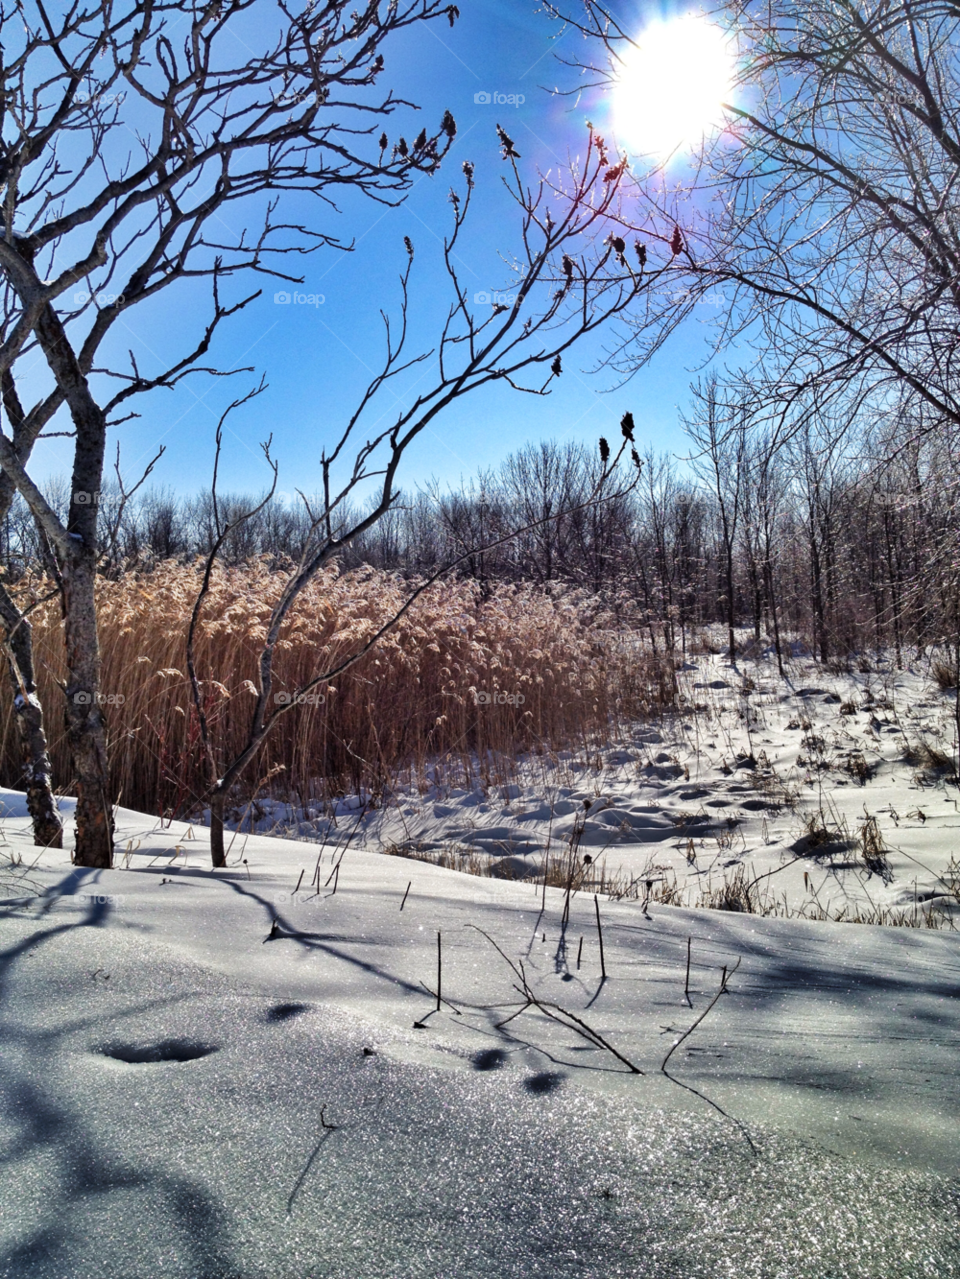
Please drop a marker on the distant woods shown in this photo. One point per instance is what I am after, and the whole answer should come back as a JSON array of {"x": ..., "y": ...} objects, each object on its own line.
[{"x": 847, "y": 544}]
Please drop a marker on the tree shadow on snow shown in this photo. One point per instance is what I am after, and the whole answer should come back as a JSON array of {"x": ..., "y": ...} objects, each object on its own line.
[{"x": 81, "y": 1176}]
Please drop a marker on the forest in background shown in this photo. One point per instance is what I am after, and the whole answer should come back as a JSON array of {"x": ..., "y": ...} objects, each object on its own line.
[
  {"x": 836, "y": 544},
  {"x": 845, "y": 541}
]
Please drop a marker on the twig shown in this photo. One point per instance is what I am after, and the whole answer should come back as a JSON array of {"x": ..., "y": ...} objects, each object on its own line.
[
  {"x": 580, "y": 1027},
  {"x": 335, "y": 873},
  {"x": 696, "y": 1092},
  {"x": 453, "y": 1008},
  {"x": 603, "y": 967},
  {"x": 404, "y": 902},
  {"x": 687, "y": 1033},
  {"x": 554, "y": 1011}
]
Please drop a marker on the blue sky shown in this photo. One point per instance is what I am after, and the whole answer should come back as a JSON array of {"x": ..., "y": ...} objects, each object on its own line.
[{"x": 318, "y": 358}]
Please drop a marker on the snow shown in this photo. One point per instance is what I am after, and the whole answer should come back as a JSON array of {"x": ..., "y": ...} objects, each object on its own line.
[
  {"x": 809, "y": 1127},
  {"x": 724, "y": 784}
]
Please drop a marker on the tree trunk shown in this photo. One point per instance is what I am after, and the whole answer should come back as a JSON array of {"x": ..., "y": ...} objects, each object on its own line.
[
  {"x": 217, "y": 852},
  {"x": 819, "y": 620},
  {"x": 757, "y": 596},
  {"x": 731, "y": 614},
  {"x": 895, "y": 598},
  {"x": 774, "y": 618},
  {"x": 41, "y": 805},
  {"x": 86, "y": 729},
  {"x": 47, "y": 826}
]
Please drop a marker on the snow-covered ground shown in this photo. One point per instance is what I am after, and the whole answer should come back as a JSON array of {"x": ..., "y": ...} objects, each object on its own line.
[
  {"x": 314, "y": 1115},
  {"x": 717, "y": 795}
]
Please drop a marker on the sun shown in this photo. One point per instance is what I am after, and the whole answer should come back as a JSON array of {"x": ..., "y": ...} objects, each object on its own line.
[{"x": 671, "y": 86}]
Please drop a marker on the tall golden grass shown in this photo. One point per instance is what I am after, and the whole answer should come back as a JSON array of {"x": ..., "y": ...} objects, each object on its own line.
[{"x": 407, "y": 708}]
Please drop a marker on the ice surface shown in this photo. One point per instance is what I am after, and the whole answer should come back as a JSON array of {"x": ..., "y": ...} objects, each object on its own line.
[
  {"x": 461, "y": 1149},
  {"x": 222, "y": 1166}
]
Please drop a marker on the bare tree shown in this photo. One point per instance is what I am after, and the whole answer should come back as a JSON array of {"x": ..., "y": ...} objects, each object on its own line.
[
  {"x": 824, "y": 211},
  {"x": 92, "y": 228},
  {"x": 17, "y": 644},
  {"x": 561, "y": 294},
  {"x": 717, "y": 428},
  {"x": 769, "y": 483}
]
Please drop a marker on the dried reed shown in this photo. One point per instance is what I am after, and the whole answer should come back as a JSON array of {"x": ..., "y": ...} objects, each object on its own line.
[{"x": 553, "y": 670}]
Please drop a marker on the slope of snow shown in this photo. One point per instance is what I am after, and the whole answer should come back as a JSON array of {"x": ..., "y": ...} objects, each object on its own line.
[
  {"x": 810, "y": 1127},
  {"x": 716, "y": 794}
]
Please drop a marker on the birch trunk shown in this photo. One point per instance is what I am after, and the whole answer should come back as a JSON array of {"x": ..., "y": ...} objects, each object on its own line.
[{"x": 41, "y": 805}]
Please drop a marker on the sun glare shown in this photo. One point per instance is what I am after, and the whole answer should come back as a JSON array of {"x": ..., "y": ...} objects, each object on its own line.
[{"x": 671, "y": 86}]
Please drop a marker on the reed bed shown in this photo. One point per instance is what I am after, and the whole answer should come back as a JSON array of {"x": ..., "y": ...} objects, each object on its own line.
[
  {"x": 461, "y": 686},
  {"x": 738, "y": 892}
]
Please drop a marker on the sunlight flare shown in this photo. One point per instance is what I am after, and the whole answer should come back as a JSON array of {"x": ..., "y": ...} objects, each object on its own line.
[{"x": 671, "y": 86}]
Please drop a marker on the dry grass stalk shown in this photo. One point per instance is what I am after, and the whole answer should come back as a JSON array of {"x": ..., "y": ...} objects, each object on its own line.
[
  {"x": 411, "y": 702},
  {"x": 735, "y": 893},
  {"x": 816, "y": 833},
  {"x": 945, "y": 673},
  {"x": 856, "y": 765},
  {"x": 929, "y": 756},
  {"x": 559, "y": 870},
  {"x": 871, "y": 844}
]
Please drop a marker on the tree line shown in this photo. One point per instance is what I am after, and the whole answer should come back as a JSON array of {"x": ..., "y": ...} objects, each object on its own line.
[{"x": 844, "y": 542}]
